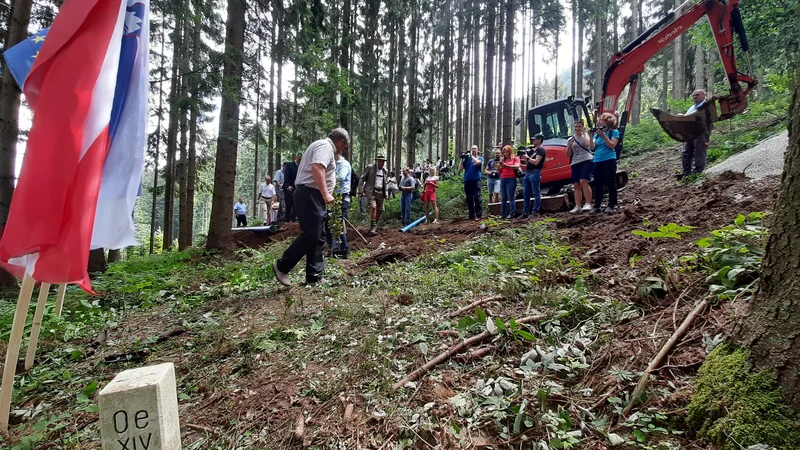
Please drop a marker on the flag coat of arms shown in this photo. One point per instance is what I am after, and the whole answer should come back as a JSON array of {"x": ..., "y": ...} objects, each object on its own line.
[{"x": 86, "y": 81}]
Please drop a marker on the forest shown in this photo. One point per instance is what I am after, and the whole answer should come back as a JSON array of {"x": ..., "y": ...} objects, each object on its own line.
[{"x": 553, "y": 330}]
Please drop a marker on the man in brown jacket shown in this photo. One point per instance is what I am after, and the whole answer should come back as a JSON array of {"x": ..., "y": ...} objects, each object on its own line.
[{"x": 373, "y": 183}]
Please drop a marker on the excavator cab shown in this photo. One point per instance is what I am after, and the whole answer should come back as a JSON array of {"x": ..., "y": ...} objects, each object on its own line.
[{"x": 555, "y": 120}]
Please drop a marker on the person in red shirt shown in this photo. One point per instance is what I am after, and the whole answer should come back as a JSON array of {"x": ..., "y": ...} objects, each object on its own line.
[
  {"x": 508, "y": 183},
  {"x": 429, "y": 196}
]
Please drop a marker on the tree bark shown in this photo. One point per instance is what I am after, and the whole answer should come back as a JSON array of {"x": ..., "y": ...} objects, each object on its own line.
[
  {"x": 390, "y": 125},
  {"x": 678, "y": 79},
  {"x": 699, "y": 68},
  {"x": 228, "y": 140},
  {"x": 274, "y": 161},
  {"x": 599, "y": 58},
  {"x": 459, "y": 144},
  {"x": 18, "y": 20},
  {"x": 771, "y": 326},
  {"x": 183, "y": 179},
  {"x": 636, "y": 22},
  {"x": 498, "y": 130},
  {"x": 413, "y": 102},
  {"x": 476, "y": 67},
  {"x": 194, "y": 114},
  {"x": 172, "y": 136},
  {"x": 158, "y": 146},
  {"x": 448, "y": 57},
  {"x": 579, "y": 65},
  {"x": 401, "y": 69},
  {"x": 17, "y": 30},
  {"x": 114, "y": 255},
  {"x": 256, "y": 175},
  {"x": 508, "y": 101},
  {"x": 97, "y": 261},
  {"x": 488, "y": 118}
]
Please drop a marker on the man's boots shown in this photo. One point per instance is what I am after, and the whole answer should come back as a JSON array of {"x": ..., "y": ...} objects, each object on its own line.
[{"x": 373, "y": 224}]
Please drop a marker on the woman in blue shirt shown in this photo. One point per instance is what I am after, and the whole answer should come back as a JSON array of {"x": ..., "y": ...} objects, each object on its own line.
[{"x": 605, "y": 162}]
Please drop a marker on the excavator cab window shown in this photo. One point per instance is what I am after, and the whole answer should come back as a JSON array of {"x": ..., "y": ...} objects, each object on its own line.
[{"x": 555, "y": 120}]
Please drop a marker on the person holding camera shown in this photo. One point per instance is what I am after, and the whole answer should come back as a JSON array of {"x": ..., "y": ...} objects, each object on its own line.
[
  {"x": 408, "y": 184},
  {"x": 604, "y": 145},
  {"x": 471, "y": 165},
  {"x": 581, "y": 163},
  {"x": 508, "y": 183},
  {"x": 533, "y": 178},
  {"x": 493, "y": 177}
]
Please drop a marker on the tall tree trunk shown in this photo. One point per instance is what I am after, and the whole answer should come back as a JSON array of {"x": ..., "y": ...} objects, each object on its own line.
[
  {"x": 771, "y": 327},
  {"x": 579, "y": 64},
  {"x": 572, "y": 58},
  {"x": 158, "y": 145},
  {"x": 194, "y": 113},
  {"x": 413, "y": 106},
  {"x": 508, "y": 102},
  {"x": 699, "y": 68},
  {"x": 274, "y": 161},
  {"x": 17, "y": 31},
  {"x": 390, "y": 125},
  {"x": 523, "y": 125},
  {"x": 183, "y": 179},
  {"x": 476, "y": 68},
  {"x": 711, "y": 73},
  {"x": 488, "y": 120},
  {"x": 459, "y": 145},
  {"x": 599, "y": 58},
  {"x": 678, "y": 79},
  {"x": 114, "y": 255},
  {"x": 499, "y": 86},
  {"x": 555, "y": 63},
  {"x": 256, "y": 174},
  {"x": 534, "y": 13},
  {"x": 172, "y": 136},
  {"x": 446, "y": 66},
  {"x": 401, "y": 70},
  {"x": 227, "y": 144},
  {"x": 344, "y": 60},
  {"x": 636, "y": 21},
  {"x": 662, "y": 98}
]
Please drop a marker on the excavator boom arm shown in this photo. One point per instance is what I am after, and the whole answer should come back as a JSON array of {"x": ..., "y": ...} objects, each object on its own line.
[{"x": 627, "y": 64}]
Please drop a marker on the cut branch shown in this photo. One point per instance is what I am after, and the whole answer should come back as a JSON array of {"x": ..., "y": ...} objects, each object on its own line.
[
  {"x": 659, "y": 359},
  {"x": 449, "y": 353},
  {"x": 474, "y": 305}
]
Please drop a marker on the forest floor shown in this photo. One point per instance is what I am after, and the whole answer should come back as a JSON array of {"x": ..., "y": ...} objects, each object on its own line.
[{"x": 260, "y": 366}]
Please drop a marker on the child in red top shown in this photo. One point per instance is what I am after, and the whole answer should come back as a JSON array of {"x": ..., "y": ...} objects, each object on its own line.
[{"x": 429, "y": 195}]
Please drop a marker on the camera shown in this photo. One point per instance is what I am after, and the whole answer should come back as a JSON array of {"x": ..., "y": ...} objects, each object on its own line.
[
  {"x": 464, "y": 155},
  {"x": 595, "y": 129}
]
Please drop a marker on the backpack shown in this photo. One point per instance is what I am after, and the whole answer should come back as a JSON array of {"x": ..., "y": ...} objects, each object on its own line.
[{"x": 354, "y": 182}]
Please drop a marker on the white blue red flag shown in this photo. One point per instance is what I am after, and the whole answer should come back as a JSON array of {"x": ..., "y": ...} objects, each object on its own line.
[{"x": 83, "y": 162}]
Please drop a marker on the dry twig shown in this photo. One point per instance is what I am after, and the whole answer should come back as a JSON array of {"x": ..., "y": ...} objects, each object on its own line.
[
  {"x": 656, "y": 362},
  {"x": 447, "y": 354},
  {"x": 474, "y": 305}
]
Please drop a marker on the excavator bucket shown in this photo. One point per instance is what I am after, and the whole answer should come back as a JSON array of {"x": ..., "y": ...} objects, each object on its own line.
[{"x": 689, "y": 127}]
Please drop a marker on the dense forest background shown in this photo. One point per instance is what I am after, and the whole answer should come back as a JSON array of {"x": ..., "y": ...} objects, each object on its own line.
[{"x": 238, "y": 87}]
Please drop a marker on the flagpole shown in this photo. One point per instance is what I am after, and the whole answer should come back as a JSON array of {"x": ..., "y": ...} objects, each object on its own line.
[
  {"x": 62, "y": 289},
  {"x": 44, "y": 290},
  {"x": 14, "y": 340}
]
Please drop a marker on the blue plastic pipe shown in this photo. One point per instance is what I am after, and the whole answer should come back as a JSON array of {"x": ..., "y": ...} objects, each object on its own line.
[{"x": 415, "y": 223}]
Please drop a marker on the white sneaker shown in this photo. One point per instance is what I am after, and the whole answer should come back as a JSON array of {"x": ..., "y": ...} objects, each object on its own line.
[
  {"x": 574, "y": 210},
  {"x": 586, "y": 207}
]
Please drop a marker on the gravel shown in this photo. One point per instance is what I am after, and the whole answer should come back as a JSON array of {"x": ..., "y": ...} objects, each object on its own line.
[{"x": 763, "y": 160}]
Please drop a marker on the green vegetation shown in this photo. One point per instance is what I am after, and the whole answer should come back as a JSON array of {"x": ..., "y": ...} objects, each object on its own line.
[{"x": 735, "y": 407}]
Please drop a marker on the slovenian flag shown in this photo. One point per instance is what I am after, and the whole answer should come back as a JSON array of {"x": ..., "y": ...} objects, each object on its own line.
[{"x": 86, "y": 81}]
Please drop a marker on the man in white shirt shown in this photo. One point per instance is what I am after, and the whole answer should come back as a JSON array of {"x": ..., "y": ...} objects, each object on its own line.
[
  {"x": 267, "y": 199},
  {"x": 313, "y": 189},
  {"x": 697, "y": 149},
  {"x": 240, "y": 210}
]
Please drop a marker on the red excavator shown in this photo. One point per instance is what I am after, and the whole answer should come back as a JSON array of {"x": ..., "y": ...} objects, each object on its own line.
[{"x": 554, "y": 120}]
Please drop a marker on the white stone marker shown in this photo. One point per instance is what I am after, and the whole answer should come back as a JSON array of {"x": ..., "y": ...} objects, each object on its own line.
[{"x": 139, "y": 410}]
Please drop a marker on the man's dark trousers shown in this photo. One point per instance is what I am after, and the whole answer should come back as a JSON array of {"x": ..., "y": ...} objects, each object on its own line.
[
  {"x": 311, "y": 217},
  {"x": 473, "y": 190},
  {"x": 289, "y": 199}
]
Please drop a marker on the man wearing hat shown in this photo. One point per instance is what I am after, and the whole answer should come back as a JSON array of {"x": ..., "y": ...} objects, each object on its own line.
[
  {"x": 374, "y": 181},
  {"x": 316, "y": 178}
]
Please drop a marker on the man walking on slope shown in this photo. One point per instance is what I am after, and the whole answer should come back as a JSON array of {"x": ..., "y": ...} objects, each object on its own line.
[
  {"x": 695, "y": 150},
  {"x": 374, "y": 181},
  {"x": 316, "y": 178}
]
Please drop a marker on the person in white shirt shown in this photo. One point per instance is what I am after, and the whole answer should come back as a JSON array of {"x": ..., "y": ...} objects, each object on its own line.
[
  {"x": 697, "y": 149},
  {"x": 240, "y": 210},
  {"x": 314, "y": 184},
  {"x": 266, "y": 200},
  {"x": 277, "y": 180}
]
